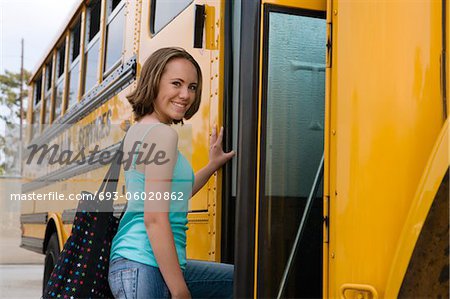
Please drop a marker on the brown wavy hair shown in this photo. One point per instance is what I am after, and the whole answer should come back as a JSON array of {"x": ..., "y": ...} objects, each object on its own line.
[{"x": 142, "y": 98}]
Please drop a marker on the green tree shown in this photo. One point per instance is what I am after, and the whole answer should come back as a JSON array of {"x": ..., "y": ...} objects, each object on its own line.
[{"x": 10, "y": 118}]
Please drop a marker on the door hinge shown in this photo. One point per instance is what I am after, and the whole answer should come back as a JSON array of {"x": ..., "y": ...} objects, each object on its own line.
[
  {"x": 326, "y": 219},
  {"x": 329, "y": 45}
]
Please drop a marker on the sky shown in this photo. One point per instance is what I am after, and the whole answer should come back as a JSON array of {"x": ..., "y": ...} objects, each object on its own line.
[{"x": 37, "y": 22}]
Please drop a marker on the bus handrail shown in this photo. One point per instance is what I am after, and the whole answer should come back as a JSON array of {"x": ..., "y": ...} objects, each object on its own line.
[{"x": 301, "y": 227}]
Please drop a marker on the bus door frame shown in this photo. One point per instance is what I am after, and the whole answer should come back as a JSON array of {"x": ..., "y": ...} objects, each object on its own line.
[{"x": 249, "y": 140}]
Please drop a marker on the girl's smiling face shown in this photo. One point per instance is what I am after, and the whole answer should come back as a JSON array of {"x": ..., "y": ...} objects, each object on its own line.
[{"x": 177, "y": 90}]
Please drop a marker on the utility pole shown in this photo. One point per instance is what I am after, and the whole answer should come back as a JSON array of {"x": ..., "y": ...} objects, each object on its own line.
[{"x": 21, "y": 106}]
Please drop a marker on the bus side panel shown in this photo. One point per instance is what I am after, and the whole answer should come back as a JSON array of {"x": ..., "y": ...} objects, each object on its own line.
[{"x": 386, "y": 110}]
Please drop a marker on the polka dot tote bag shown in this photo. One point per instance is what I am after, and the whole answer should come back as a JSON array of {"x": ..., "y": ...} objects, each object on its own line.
[{"x": 81, "y": 270}]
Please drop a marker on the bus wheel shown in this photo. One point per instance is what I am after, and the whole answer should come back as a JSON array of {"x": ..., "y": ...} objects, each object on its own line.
[{"x": 51, "y": 255}]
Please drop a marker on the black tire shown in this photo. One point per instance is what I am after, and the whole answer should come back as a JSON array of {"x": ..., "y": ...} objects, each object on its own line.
[{"x": 51, "y": 255}]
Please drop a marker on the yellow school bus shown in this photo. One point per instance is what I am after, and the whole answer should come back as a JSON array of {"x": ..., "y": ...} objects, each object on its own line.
[{"x": 338, "y": 112}]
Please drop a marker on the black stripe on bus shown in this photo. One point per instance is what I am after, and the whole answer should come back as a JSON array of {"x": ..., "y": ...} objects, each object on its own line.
[
  {"x": 69, "y": 214},
  {"x": 35, "y": 218},
  {"x": 33, "y": 244},
  {"x": 69, "y": 171}
]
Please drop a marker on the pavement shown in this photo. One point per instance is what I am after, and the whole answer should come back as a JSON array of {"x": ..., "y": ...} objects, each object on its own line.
[
  {"x": 21, "y": 270},
  {"x": 21, "y": 281},
  {"x": 12, "y": 253}
]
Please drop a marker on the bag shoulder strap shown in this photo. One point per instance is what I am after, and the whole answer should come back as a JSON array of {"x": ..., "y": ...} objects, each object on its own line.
[{"x": 114, "y": 169}]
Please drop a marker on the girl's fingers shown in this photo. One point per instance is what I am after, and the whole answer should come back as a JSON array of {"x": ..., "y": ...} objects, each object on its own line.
[
  {"x": 219, "y": 140},
  {"x": 230, "y": 154},
  {"x": 213, "y": 135}
]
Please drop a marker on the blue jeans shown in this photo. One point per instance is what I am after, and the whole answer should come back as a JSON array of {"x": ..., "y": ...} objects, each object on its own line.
[{"x": 133, "y": 280}]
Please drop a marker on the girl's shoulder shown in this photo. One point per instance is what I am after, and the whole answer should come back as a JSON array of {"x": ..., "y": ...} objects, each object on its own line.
[
  {"x": 148, "y": 131},
  {"x": 147, "y": 137}
]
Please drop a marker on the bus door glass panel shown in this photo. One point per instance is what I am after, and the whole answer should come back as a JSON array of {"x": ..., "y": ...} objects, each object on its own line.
[
  {"x": 292, "y": 147},
  {"x": 93, "y": 45},
  {"x": 163, "y": 12},
  {"x": 59, "y": 92},
  {"x": 74, "y": 74},
  {"x": 114, "y": 35}
]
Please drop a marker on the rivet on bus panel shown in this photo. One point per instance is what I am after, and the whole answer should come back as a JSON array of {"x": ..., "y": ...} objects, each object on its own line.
[
  {"x": 332, "y": 255},
  {"x": 335, "y": 12},
  {"x": 335, "y": 192},
  {"x": 333, "y": 132}
]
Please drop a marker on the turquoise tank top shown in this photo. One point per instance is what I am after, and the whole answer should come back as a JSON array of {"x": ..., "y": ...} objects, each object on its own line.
[{"x": 131, "y": 241}]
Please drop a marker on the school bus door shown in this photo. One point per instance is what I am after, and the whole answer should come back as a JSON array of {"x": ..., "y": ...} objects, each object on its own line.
[{"x": 290, "y": 149}]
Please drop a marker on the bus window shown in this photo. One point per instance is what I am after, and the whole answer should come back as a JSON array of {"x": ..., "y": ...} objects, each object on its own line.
[
  {"x": 163, "y": 12},
  {"x": 48, "y": 91},
  {"x": 74, "y": 70},
  {"x": 92, "y": 45},
  {"x": 60, "y": 59},
  {"x": 37, "y": 104},
  {"x": 114, "y": 35}
]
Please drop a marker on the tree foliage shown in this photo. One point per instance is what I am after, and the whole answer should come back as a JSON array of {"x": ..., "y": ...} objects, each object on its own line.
[{"x": 10, "y": 117}]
